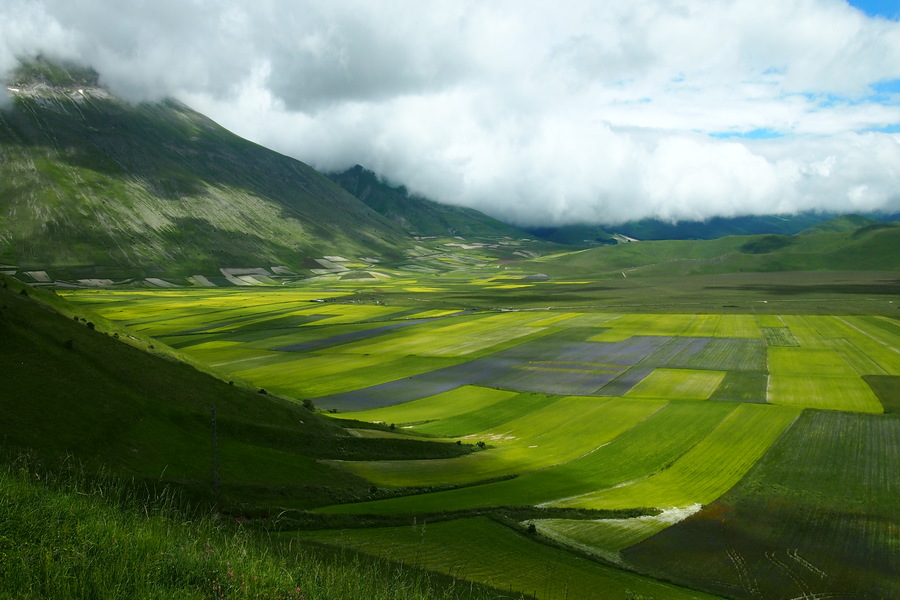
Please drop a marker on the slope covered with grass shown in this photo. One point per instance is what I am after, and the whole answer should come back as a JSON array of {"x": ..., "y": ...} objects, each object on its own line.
[
  {"x": 871, "y": 247},
  {"x": 65, "y": 535},
  {"x": 71, "y": 388}
]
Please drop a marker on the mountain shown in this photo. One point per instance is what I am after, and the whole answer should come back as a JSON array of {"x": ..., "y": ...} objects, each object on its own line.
[
  {"x": 92, "y": 186},
  {"x": 420, "y": 216}
]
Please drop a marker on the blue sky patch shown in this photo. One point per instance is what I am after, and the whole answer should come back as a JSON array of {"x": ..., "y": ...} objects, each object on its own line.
[
  {"x": 763, "y": 133},
  {"x": 895, "y": 128},
  {"x": 889, "y": 9},
  {"x": 887, "y": 87}
]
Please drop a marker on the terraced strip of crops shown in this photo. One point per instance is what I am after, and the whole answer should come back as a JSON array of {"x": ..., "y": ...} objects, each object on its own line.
[
  {"x": 650, "y": 446},
  {"x": 812, "y": 518},
  {"x": 561, "y": 431},
  {"x": 707, "y": 470},
  {"x": 486, "y": 416},
  {"x": 486, "y": 552}
]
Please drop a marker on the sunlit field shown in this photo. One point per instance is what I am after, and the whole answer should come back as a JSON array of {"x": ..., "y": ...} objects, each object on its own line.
[{"x": 575, "y": 411}]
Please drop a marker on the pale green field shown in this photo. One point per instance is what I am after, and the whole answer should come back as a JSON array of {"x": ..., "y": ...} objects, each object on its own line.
[
  {"x": 808, "y": 362},
  {"x": 563, "y": 431},
  {"x": 706, "y": 471},
  {"x": 707, "y": 325},
  {"x": 831, "y": 393},
  {"x": 682, "y": 384}
]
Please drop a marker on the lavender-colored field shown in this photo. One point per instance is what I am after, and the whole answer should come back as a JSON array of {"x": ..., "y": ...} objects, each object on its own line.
[
  {"x": 573, "y": 379},
  {"x": 561, "y": 363},
  {"x": 624, "y": 382},
  {"x": 417, "y": 386},
  {"x": 677, "y": 352},
  {"x": 728, "y": 354}
]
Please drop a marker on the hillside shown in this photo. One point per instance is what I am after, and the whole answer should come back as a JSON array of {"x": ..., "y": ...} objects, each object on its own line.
[
  {"x": 654, "y": 229},
  {"x": 94, "y": 187},
  {"x": 716, "y": 227},
  {"x": 74, "y": 387},
  {"x": 421, "y": 216},
  {"x": 872, "y": 247}
]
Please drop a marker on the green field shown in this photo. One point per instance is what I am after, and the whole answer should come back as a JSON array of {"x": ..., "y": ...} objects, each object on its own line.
[
  {"x": 816, "y": 515},
  {"x": 483, "y": 551},
  {"x": 569, "y": 412}
]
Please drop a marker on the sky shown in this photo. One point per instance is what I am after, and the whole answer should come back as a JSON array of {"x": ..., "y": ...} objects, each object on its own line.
[{"x": 535, "y": 112}]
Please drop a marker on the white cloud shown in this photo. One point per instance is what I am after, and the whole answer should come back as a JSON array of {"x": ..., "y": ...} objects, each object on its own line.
[{"x": 530, "y": 110}]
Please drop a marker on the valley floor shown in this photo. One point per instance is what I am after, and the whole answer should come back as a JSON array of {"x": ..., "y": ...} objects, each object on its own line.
[{"x": 609, "y": 406}]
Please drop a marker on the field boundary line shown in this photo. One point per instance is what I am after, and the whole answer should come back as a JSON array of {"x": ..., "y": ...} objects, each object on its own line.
[
  {"x": 231, "y": 362},
  {"x": 867, "y": 334}
]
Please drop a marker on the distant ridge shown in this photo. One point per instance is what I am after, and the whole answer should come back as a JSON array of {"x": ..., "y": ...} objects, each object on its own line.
[
  {"x": 874, "y": 246},
  {"x": 839, "y": 224},
  {"x": 420, "y": 216}
]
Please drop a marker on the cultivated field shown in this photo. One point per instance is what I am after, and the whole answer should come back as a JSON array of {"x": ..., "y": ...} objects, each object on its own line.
[{"x": 747, "y": 454}]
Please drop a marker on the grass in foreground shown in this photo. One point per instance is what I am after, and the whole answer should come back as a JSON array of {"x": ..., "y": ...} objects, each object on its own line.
[{"x": 67, "y": 536}]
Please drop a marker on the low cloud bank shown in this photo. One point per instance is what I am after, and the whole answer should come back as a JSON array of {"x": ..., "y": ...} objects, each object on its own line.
[{"x": 676, "y": 110}]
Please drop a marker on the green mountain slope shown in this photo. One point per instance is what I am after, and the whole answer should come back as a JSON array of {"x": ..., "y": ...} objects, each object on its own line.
[
  {"x": 91, "y": 186},
  {"x": 420, "y": 216},
  {"x": 873, "y": 247},
  {"x": 840, "y": 224}
]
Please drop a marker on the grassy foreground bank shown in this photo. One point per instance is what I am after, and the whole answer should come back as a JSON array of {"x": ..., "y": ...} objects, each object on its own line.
[{"x": 64, "y": 535}]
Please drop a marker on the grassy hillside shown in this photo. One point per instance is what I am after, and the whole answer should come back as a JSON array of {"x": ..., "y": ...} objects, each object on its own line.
[
  {"x": 94, "y": 187},
  {"x": 872, "y": 247},
  {"x": 653, "y": 229},
  {"x": 72, "y": 388},
  {"x": 64, "y": 535}
]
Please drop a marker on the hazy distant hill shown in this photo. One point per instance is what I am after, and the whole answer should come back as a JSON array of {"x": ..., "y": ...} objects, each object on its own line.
[
  {"x": 420, "y": 216},
  {"x": 92, "y": 186},
  {"x": 654, "y": 229},
  {"x": 840, "y": 224},
  {"x": 716, "y": 227},
  {"x": 872, "y": 247}
]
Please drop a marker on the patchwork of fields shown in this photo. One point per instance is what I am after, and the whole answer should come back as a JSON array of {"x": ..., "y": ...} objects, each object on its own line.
[{"x": 736, "y": 419}]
